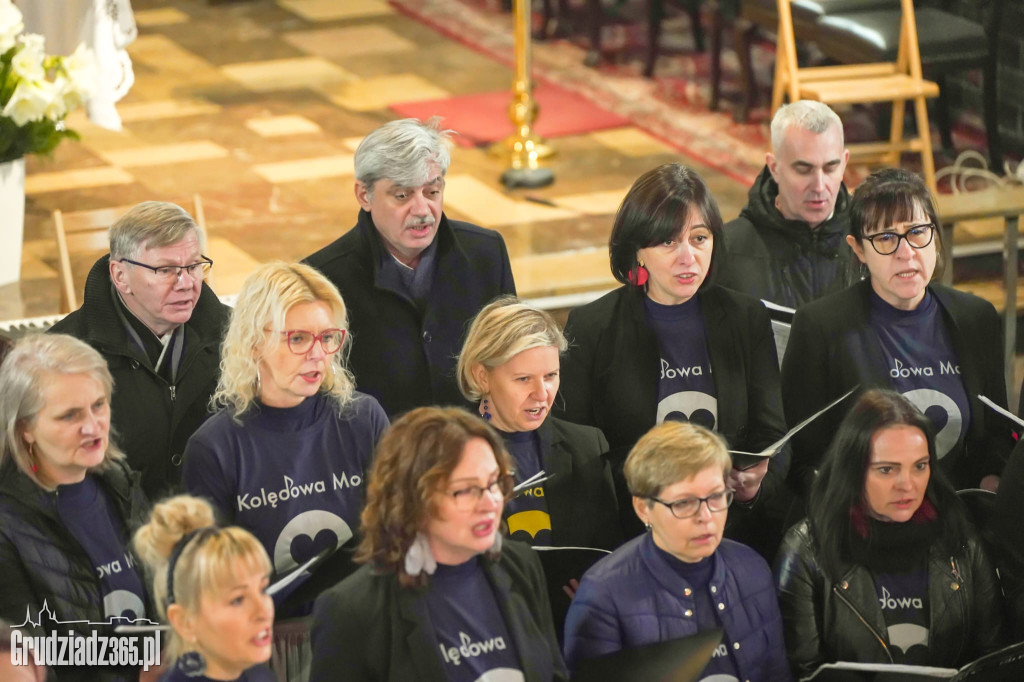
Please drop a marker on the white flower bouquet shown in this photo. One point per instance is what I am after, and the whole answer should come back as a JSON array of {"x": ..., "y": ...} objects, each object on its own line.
[{"x": 37, "y": 91}]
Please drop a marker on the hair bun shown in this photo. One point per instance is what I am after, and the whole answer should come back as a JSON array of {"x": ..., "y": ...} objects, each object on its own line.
[{"x": 170, "y": 521}]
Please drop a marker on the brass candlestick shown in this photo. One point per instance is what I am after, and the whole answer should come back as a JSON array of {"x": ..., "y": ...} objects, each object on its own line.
[{"x": 523, "y": 149}]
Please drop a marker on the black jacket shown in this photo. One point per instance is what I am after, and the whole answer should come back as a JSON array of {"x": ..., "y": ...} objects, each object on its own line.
[
  {"x": 838, "y": 618},
  {"x": 369, "y": 628},
  {"x": 610, "y": 380},
  {"x": 785, "y": 261},
  {"x": 40, "y": 561},
  {"x": 833, "y": 348},
  {"x": 401, "y": 355},
  {"x": 1007, "y": 532},
  {"x": 151, "y": 420},
  {"x": 579, "y": 494}
]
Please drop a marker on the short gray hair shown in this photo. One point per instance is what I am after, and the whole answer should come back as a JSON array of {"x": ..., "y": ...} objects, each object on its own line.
[
  {"x": 400, "y": 151},
  {"x": 151, "y": 224},
  {"x": 807, "y": 114}
]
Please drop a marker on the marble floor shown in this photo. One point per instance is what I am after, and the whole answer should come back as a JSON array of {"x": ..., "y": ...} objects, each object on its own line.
[{"x": 258, "y": 106}]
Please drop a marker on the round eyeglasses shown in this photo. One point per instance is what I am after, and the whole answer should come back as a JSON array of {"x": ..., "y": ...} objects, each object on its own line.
[
  {"x": 690, "y": 506},
  {"x": 171, "y": 273},
  {"x": 468, "y": 497},
  {"x": 887, "y": 243},
  {"x": 301, "y": 341}
]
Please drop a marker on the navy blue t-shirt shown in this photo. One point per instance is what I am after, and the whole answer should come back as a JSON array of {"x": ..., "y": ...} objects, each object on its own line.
[
  {"x": 257, "y": 673},
  {"x": 92, "y": 519},
  {"x": 294, "y": 477},
  {"x": 903, "y": 598},
  {"x": 923, "y": 366},
  {"x": 722, "y": 666},
  {"x": 686, "y": 389},
  {"x": 471, "y": 634},
  {"x": 527, "y": 515}
]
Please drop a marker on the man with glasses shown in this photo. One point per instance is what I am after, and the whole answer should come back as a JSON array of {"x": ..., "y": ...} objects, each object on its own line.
[
  {"x": 786, "y": 246},
  {"x": 147, "y": 310},
  {"x": 412, "y": 279}
]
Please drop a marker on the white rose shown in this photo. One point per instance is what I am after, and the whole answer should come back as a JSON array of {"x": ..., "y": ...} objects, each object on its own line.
[
  {"x": 29, "y": 102},
  {"x": 10, "y": 25},
  {"x": 57, "y": 109},
  {"x": 27, "y": 63}
]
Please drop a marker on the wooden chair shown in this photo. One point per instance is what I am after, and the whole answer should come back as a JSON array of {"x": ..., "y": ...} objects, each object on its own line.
[
  {"x": 895, "y": 82},
  {"x": 84, "y": 231}
]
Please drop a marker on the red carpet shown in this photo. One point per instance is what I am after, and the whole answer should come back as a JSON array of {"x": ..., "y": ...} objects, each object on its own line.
[{"x": 482, "y": 119}]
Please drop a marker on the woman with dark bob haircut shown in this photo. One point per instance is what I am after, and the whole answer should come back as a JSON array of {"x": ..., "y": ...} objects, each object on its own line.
[
  {"x": 667, "y": 345},
  {"x": 441, "y": 596},
  {"x": 898, "y": 329},
  {"x": 886, "y": 568}
]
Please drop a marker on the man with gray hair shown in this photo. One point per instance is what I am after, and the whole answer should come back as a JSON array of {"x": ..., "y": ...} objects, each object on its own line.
[
  {"x": 411, "y": 278},
  {"x": 788, "y": 245},
  {"x": 147, "y": 310}
]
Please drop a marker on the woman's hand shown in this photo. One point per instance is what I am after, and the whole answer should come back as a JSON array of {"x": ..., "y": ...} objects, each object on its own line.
[
  {"x": 570, "y": 589},
  {"x": 746, "y": 482}
]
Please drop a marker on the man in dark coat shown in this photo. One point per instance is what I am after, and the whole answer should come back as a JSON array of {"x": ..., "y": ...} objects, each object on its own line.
[
  {"x": 159, "y": 327},
  {"x": 411, "y": 278},
  {"x": 788, "y": 244}
]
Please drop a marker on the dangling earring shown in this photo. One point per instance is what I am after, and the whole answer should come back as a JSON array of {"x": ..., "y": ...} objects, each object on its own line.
[
  {"x": 638, "y": 275},
  {"x": 496, "y": 547},
  {"x": 647, "y": 526},
  {"x": 419, "y": 558},
  {"x": 192, "y": 664},
  {"x": 485, "y": 406},
  {"x": 258, "y": 382}
]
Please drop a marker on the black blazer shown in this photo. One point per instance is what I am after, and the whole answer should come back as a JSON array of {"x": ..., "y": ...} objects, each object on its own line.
[
  {"x": 610, "y": 380},
  {"x": 833, "y": 348},
  {"x": 580, "y": 495},
  {"x": 404, "y": 355},
  {"x": 369, "y": 628}
]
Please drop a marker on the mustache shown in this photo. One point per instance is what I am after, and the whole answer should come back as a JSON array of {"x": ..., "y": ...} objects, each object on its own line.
[{"x": 416, "y": 222}]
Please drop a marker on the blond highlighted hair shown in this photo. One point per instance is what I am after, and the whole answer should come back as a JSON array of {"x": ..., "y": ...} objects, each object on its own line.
[
  {"x": 24, "y": 375},
  {"x": 267, "y": 295},
  {"x": 503, "y": 329},
  {"x": 672, "y": 452},
  {"x": 205, "y": 565}
]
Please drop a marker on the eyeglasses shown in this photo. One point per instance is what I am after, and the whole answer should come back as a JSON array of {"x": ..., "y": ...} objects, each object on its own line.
[
  {"x": 301, "y": 341},
  {"x": 887, "y": 243},
  {"x": 690, "y": 506},
  {"x": 171, "y": 273},
  {"x": 469, "y": 497}
]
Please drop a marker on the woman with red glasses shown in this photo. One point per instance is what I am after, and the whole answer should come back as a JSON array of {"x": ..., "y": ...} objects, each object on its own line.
[{"x": 287, "y": 455}]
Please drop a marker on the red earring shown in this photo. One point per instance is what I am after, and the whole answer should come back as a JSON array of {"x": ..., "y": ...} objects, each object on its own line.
[{"x": 638, "y": 275}]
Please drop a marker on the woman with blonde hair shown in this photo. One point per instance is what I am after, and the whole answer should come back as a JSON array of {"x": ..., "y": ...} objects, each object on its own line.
[
  {"x": 68, "y": 501},
  {"x": 510, "y": 365},
  {"x": 287, "y": 455},
  {"x": 681, "y": 577},
  {"x": 209, "y": 584},
  {"x": 441, "y": 596}
]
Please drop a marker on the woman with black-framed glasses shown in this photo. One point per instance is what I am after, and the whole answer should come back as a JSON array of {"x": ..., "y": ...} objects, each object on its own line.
[
  {"x": 681, "y": 577},
  {"x": 898, "y": 329},
  {"x": 287, "y": 456},
  {"x": 442, "y": 596}
]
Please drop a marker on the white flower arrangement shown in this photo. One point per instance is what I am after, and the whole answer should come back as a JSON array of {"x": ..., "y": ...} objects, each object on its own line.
[{"x": 37, "y": 91}]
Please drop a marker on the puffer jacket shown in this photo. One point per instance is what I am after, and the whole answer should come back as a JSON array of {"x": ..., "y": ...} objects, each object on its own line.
[
  {"x": 830, "y": 619},
  {"x": 784, "y": 261},
  {"x": 634, "y": 597},
  {"x": 41, "y": 562}
]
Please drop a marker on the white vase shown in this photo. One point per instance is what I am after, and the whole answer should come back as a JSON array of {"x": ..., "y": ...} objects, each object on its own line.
[{"x": 12, "y": 219}]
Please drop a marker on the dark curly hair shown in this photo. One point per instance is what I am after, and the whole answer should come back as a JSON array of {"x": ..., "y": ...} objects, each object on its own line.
[{"x": 413, "y": 463}]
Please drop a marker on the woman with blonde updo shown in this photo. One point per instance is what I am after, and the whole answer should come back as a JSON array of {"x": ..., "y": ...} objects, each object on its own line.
[
  {"x": 288, "y": 454},
  {"x": 510, "y": 365},
  {"x": 209, "y": 584}
]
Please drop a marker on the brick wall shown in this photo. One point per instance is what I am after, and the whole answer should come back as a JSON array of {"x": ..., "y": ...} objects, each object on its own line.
[{"x": 964, "y": 89}]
